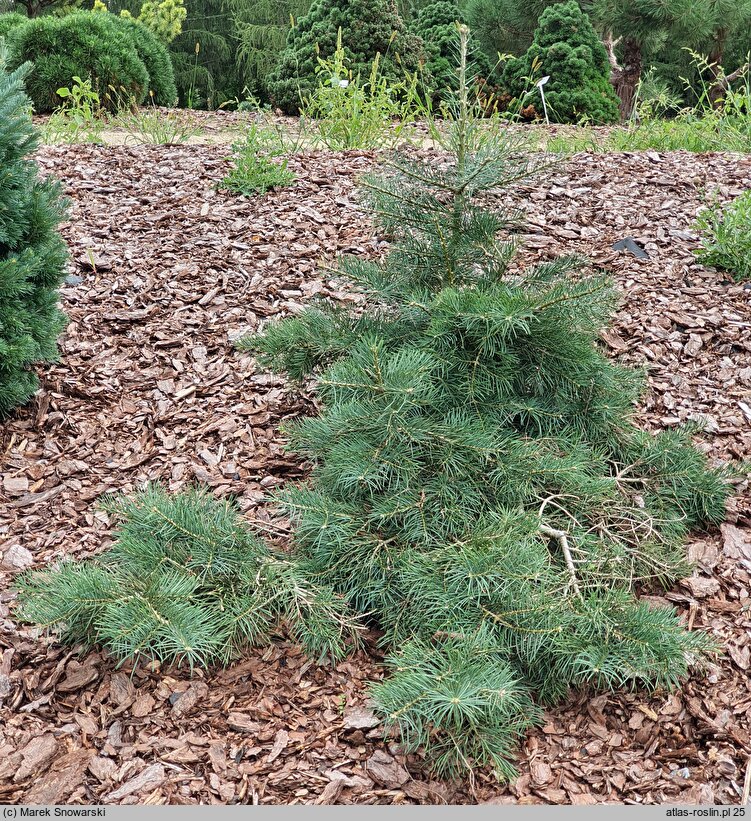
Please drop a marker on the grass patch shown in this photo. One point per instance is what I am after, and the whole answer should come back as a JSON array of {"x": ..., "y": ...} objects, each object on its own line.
[{"x": 726, "y": 237}]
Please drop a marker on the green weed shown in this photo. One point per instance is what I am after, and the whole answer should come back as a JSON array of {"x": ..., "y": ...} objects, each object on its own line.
[
  {"x": 255, "y": 172},
  {"x": 79, "y": 118},
  {"x": 726, "y": 236}
]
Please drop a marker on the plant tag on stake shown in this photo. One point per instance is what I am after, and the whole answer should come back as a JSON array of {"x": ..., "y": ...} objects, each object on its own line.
[{"x": 540, "y": 83}]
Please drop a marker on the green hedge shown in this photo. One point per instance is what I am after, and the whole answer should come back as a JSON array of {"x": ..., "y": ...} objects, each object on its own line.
[{"x": 79, "y": 45}]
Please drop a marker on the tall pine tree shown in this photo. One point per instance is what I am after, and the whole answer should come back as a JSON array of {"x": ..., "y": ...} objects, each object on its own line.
[{"x": 32, "y": 253}]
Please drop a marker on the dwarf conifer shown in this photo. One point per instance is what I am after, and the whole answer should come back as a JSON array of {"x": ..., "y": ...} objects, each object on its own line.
[
  {"x": 568, "y": 50},
  {"x": 480, "y": 491},
  {"x": 480, "y": 488},
  {"x": 32, "y": 253}
]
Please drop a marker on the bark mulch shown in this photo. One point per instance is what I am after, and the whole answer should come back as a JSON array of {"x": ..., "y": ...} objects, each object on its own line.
[{"x": 166, "y": 274}]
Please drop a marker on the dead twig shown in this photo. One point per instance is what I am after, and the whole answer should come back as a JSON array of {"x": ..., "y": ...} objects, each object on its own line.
[{"x": 562, "y": 538}]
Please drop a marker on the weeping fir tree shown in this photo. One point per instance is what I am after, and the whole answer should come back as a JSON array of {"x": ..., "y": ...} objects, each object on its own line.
[
  {"x": 262, "y": 27},
  {"x": 32, "y": 253},
  {"x": 479, "y": 488}
]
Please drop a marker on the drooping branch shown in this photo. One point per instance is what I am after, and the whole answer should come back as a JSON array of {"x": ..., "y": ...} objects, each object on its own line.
[{"x": 722, "y": 82}]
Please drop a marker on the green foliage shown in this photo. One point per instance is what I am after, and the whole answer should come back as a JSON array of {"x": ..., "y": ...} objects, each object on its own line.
[
  {"x": 726, "y": 236},
  {"x": 370, "y": 27},
  {"x": 262, "y": 27},
  {"x": 479, "y": 486},
  {"x": 700, "y": 134},
  {"x": 504, "y": 26},
  {"x": 84, "y": 44},
  {"x": 35, "y": 8},
  {"x": 32, "y": 253},
  {"x": 356, "y": 112},
  {"x": 184, "y": 581},
  {"x": 10, "y": 21},
  {"x": 254, "y": 172},
  {"x": 649, "y": 32},
  {"x": 164, "y": 19},
  {"x": 662, "y": 124},
  {"x": 686, "y": 132},
  {"x": 566, "y": 48},
  {"x": 150, "y": 126},
  {"x": 79, "y": 118},
  {"x": 156, "y": 59},
  {"x": 436, "y": 26},
  {"x": 203, "y": 56},
  {"x": 467, "y": 688}
]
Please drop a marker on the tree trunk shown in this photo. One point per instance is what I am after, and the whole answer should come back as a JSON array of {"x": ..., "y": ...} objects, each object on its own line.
[
  {"x": 32, "y": 7},
  {"x": 626, "y": 77},
  {"x": 720, "y": 85}
]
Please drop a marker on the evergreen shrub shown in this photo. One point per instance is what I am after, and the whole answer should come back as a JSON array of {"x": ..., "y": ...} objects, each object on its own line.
[
  {"x": 156, "y": 59},
  {"x": 32, "y": 253},
  {"x": 10, "y": 21},
  {"x": 726, "y": 236},
  {"x": 568, "y": 50},
  {"x": 369, "y": 27},
  {"x": 436, "y": 26},
  {"x": 479, "y": 487},
  {"x": 83, "y": 44}
]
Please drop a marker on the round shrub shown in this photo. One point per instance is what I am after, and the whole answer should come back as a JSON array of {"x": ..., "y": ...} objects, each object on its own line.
[
  {"x": 32, "y": 253},
  {"x": 155, "y": 57},
  {"x": 566, "y": 48},
  {"x": 10, "y": 21},
  {"x": 369, "y": 27},
  {"x": 82, "y": 45}
]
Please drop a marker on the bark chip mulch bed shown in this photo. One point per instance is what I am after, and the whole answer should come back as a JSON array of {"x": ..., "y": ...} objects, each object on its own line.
[{"x": 165, "y": 274}]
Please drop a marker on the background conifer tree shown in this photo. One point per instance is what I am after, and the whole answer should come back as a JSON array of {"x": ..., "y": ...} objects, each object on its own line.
[
  {"x": 568, "y": 50},
  {"x": 32, "y": 253},
  {"x": 436, "y": 27},
  {"x": 636, "y": 33},
  {"x": 480, "y": 488},
  {"x": 369, "y": 27},
  {"x": 262, "y": 28}
]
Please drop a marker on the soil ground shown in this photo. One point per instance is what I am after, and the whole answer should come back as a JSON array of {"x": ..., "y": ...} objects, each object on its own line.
[{"x": 166, "y": 273}]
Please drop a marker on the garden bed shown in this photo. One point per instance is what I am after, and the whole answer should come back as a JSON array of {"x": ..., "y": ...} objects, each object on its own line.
[{"x": 165, "y": 274}]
